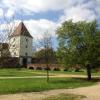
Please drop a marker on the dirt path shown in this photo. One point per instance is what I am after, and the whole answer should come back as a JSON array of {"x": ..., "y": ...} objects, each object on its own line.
[
  {"x": 52, "y": 76},
  {"x": 91, "y": 92}
]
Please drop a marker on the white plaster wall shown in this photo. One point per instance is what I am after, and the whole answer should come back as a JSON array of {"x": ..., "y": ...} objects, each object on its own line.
[
  {"x": 18, "y": 46},
  {"x": 15, "y": 46},
  {"x": 23, "y": 48}
]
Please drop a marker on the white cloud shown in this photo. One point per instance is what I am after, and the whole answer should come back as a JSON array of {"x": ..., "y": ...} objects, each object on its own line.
[
  {"x": 40, "y": 5},
  {"x": 78, "y": 14},
  {"x": 38, "y": 27},
  {"x": 1, "y": 12},
  {"x": 86, "y": 11},
  {"x": 35, "y": 5},
  {"x": 10, "y": 13},
  {"x": 73, "y": 9}
]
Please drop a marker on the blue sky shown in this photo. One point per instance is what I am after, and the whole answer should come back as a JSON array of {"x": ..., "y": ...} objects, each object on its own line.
[{"x": 40, "y": 16}]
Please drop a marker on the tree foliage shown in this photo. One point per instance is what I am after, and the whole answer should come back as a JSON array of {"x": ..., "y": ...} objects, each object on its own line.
[
  {"x": 79, "y": 43},
  {"x": 40, "y": 55}
]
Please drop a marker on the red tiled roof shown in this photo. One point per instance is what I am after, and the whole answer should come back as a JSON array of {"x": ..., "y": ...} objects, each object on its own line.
[{"x": 21, "y": 30}]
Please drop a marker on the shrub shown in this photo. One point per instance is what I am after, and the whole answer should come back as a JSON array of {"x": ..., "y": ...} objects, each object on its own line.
[
  {"x": 65, "y": 69},
  {"x": 77, "y": 68},
  {"x": 39, "y": 68},
  {"x": 56, "y": 69},
  {"x": 31, "y": 67},
  {"x": 47, "y": 68}
]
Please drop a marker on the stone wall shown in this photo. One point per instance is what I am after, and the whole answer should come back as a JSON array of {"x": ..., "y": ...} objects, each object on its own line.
[{"x": 8, "y": 62}]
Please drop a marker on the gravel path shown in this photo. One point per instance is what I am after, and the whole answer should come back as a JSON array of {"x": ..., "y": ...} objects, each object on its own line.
[
  {"x": 91, "y": 92},
  {"x": 52, "y": 76}
]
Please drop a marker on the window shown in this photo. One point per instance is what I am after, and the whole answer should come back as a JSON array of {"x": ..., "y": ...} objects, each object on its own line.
[
  {"x": 14, "y": 53},
  {"x": 26, "y": 46},
  {"x": 14, "y": 39},
  {"x": 26, "y": 40},
  {"x": 13, "y": 45},
  {"x": 26, "y": 54}
]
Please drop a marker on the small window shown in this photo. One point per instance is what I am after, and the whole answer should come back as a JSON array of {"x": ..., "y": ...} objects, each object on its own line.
[
  {"x": 13, "y": 45},
  {"x": 26, "y": 40},
  {"x": 14, "y": 39},
  {"x": 14, "y": 53},
  {"x": 26, "y": 54},
  {"x": 26, "y": 46}
]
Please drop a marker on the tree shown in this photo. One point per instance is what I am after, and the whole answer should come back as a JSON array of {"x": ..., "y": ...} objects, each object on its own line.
[
  {"x": 40, "y": 55},
  {"x": 6, "y": 28},
  {"x": 79, "y": 43},
  {"x": 47, "y": 51}
]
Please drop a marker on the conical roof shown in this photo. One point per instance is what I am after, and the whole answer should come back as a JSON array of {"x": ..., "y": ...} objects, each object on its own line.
[{"x": 21, "y": 30}]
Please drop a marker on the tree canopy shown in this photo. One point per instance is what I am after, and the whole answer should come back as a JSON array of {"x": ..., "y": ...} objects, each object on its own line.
[{"x": 79, "y": 43}]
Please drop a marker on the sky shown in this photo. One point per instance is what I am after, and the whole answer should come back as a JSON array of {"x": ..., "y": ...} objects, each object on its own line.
[{"x": 41, "y": 16}]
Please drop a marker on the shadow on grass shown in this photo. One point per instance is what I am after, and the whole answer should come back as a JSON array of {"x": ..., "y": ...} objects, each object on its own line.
[
  {"x": 96, "y": 79},
  {"x": 74, "y": 80}
]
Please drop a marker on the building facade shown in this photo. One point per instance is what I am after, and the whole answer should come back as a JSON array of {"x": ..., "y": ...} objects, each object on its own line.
[{"x": 21, "y": 44}]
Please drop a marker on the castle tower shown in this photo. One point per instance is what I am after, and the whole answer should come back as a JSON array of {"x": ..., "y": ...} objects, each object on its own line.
[{"x": 21, "y": 45}]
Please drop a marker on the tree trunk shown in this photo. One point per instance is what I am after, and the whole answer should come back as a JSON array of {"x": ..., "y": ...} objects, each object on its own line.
[
  {"x": 47, "y": 75},
  {"x": 89, "y": 72}
]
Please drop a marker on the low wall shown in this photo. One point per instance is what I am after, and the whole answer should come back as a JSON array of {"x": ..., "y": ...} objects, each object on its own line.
[{"x": 8, "y": 62}]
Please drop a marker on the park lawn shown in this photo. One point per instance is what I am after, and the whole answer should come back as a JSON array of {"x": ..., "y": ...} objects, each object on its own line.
[
  {"x": 9, "y": 86},
  {"x": 68, "y": 72},
  {"x": 26, "y": 72},
  {"x": 65, "y": 97},
  {"x": 19, "y": 73},
  {"x": 96, "y": 73}
]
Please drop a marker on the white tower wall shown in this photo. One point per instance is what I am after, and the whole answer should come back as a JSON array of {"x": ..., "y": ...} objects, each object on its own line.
[{"x": 14, "y": 46}]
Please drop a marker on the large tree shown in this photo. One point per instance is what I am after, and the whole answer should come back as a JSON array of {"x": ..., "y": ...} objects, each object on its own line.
[{"x": 79, "y": 43}]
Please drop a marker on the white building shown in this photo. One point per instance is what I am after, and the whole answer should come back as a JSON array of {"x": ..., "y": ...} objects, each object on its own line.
[{"x": 20, "y": 45}]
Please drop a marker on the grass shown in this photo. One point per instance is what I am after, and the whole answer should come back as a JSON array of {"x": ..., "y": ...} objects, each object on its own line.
[
  {"x": 26, "y": 72},
  {"x": 8, "y": 86},
  {"x": 65, "y": 97},
  {"x": 19, "y": 73},
  {"x": 68, "y": 72}
]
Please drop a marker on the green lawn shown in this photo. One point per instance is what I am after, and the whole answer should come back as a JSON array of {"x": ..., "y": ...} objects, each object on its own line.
[
  {"x": 75, "y": 73},
  {"x": 19, "y": 73},
  {"x": 67, "y": 72},
  {"x": 65, "y": 97},
  {"x": 27, "y": 72},
  {"x": 39, "y": 84}
]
